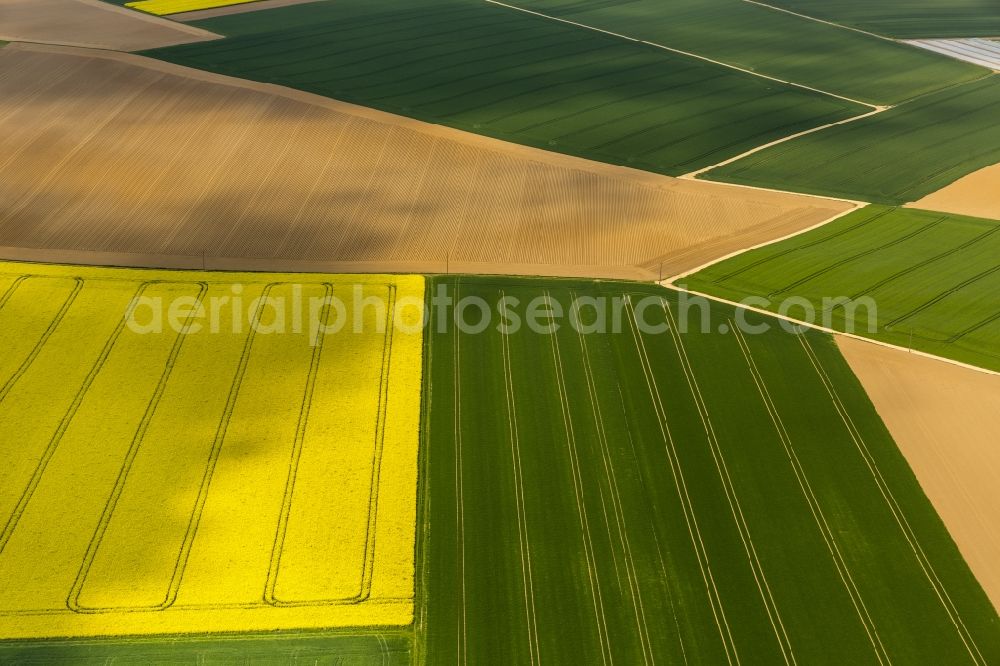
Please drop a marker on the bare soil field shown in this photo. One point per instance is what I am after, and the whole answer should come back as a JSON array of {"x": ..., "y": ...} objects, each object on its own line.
[
  {"x": 153, "y": 164},
  {"x": 943, "y": 417},
  {"x": 977, "y": 194},
  {"x": 91, "y": 24}
]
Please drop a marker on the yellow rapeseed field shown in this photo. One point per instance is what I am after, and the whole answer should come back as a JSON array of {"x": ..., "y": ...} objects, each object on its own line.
[
  {"x": 179, "y": 470},
  {"x": 164, "y": 7}
]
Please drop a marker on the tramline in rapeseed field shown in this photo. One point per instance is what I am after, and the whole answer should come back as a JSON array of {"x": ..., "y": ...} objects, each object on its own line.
[{"x": 203, "y": 480}]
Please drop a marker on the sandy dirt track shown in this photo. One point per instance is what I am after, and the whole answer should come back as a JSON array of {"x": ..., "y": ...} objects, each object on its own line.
[
  {"x": 255, "y": 6},
  {"x": 977, "y": 194},
  {"x": 944, "y": 420},
  {"x": 91, "y": 23},
  {"x": 153, "y": 163}
]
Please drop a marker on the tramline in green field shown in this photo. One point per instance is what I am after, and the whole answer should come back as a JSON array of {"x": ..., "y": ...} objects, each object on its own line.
[
  {"x": 707, "y": 497},
  {"x": 932, "y": 277},
  {"x": 906, "y": 19}
]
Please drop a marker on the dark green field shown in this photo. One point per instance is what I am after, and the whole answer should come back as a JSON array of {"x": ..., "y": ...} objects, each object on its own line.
[
  {"x": 386, "y": 649},
  {"x": 775, "y": 43},
  {"x": 523, "y": 78},
  {"x": 704, "y": 498},
  {"x": 894, "y": 157},
  {"x": 933, "y": 276},
  {"x": 906, "y": 19}
]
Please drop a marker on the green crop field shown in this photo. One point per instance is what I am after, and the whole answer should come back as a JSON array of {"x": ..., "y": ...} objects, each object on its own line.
[
  {"x": 515, "y": 76},
  {"x": 775, "y": 43},
  {"x": 895, "y": 157},
  {"x": 651, "y": 497},
  {"x": 906, "y": 19},
  {"x": 933, "y": 277},
  {"x": 375, "y": 649}
]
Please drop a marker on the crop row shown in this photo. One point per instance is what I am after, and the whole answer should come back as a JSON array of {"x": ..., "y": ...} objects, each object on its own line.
[
  {"x": 612, "y": 494},
  {"x": 928, "y": 275}
]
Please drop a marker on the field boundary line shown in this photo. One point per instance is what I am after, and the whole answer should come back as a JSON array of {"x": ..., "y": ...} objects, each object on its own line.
[
  {"x": 897, "y": 511},
  {"x": 46, "y": 334},
  {"x": 620, "y": 518},
  {"x": 680, "y": 487},
  {"x": 812, "y": 501},
  {"x": 790, "y": 137},
  {"x": 682, "y": 52},
  {"x": 421, "y": 556},
  {"x": 824, "y": 329},
  {"x": 581, "y": 507},
  {"x": 522, "y": 518},
  {"x": 50, "y": 449},
  {"x": 916, "y": 128},
  {"x": 725, "y": 147},
  {"x": 732, "y": 497},
  {"x": 463, "y": 651},
  {"x": 111, "y": 504},
  {"x": 221, "y": 606},
  {"x": 819, "y": 20},
  {"x": 668, "y": 281},
  {"x": 792, "y": 250}
]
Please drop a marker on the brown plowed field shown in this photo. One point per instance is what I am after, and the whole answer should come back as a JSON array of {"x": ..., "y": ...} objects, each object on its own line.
[
  {"x": 977, "y": 195},
  {"x": 944, "y": 419},
  {"x": 153, "y": 164},
  {"x": 91, "y": 23}
]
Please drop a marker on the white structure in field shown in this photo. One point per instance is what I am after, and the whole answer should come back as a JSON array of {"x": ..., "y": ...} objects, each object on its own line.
[{"x": 983, "y": 52}]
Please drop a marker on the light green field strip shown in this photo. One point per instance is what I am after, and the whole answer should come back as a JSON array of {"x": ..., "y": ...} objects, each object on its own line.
[
  {"x": 355, "y": 366},
  {"x": 208, "y": 362},
  {"x": 930, "y": 276}
]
